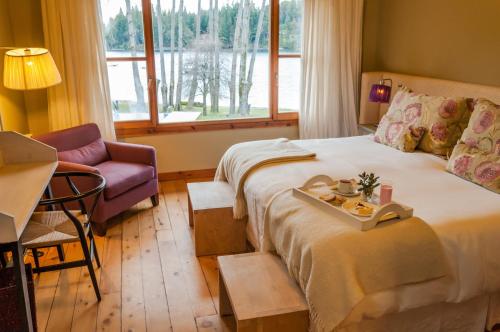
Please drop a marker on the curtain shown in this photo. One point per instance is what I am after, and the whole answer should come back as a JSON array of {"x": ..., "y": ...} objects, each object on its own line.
[
  {"x": 331, "y": 68},
  {"x": 74, "y": 35}
]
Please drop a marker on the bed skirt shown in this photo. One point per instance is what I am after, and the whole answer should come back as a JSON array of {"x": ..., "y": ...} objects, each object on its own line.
[{"x": 474, "y": 315}]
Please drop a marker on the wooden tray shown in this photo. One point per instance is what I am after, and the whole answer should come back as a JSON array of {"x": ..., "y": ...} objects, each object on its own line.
[{"x": 386, "y": 212}]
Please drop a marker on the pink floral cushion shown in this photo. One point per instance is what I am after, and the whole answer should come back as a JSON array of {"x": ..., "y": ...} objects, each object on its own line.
[
  {"x": 476, "y": 157},
  {"x": 444, "y": 119},
  {"x": 400, "y": 127}
]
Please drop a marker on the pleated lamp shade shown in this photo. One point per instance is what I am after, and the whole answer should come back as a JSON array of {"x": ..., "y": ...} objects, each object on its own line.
[{"x": 29, "y": 69}]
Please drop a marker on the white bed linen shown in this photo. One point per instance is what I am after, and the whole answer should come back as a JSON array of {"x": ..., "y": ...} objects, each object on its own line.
[{"x": 466, "y": 217}]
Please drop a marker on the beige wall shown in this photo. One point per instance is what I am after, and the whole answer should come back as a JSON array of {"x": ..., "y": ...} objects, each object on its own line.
[
  {"x": 12, "y": 108},
  {"x": 202, "y": 150},
  {"x": 21, "y": 26},
  {"x": 27, "y": 28},
  {"x": 449, "y": 39}
]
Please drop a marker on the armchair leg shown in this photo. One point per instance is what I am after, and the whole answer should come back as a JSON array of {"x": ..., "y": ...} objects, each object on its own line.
[
  {"x": 100, "y": 228},
  {"x": 155, "y": 199}
]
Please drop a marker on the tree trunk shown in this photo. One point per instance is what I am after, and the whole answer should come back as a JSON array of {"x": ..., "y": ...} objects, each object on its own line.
[
  {"x": 215, "y": 105},
  {"x": 180, "y": 64},
  {"x": 211, "y": 76},
  {"x": 163, "y": 84},
  {"x": 245, "y": 108},
  {"x": 133, "y": 52},
  {"x": 172, "y": 55},
  {"x": 205, "y": 90},
  {"x": 245, "y": 32},
  {"x": 236, "y": 45},
  {"x": 194, "y": 79}
]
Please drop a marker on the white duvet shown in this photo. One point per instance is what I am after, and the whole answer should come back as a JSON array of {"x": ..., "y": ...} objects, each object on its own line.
[{"x": 466, "y": 217}]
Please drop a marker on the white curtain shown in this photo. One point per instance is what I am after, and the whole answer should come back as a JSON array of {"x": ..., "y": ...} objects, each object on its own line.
[
  {"x": 331, "y": 68},
  {"x": 73, "y": 34}
]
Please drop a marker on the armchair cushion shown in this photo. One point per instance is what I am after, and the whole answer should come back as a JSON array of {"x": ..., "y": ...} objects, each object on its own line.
[
  {"x": 90, "y": 154},
  {"x": 122, "y": 176}
]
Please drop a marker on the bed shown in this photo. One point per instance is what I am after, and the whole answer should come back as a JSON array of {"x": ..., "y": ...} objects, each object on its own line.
[{"x": 466, "y": 218}]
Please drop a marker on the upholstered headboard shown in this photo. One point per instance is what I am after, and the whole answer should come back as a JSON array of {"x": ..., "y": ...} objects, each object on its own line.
[{"x": 370, "y": 113}]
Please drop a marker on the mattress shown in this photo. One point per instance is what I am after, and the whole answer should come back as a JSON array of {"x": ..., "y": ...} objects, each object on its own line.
[{"x": 465, "y": 216}]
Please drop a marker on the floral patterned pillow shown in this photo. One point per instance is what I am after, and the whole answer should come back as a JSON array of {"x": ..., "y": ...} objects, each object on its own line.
[
  {"x": 399, "y": 127},
  {"x": 476, "y": 157},
  {"x": 444, "y": 120}
]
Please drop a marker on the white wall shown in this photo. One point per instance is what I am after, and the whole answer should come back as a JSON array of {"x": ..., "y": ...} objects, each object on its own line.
[{"x": 203, "y": 150}]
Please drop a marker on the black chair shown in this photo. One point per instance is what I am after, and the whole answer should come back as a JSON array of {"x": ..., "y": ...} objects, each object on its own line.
[{"x": 60, "y": 225}]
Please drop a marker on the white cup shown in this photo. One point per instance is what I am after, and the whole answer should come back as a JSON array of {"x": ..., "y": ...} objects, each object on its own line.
[{"x": 346, "y": 186}]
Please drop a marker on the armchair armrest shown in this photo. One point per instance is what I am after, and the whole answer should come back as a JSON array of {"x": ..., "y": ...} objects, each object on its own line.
[
  {"x": 66, "y": 166},
  {"x": 132, "y": 153}
]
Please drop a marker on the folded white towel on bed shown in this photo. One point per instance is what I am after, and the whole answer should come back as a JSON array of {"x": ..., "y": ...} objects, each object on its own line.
[
  {"x": 241, "y": 159},
  {"x": 337, "y": 265}
]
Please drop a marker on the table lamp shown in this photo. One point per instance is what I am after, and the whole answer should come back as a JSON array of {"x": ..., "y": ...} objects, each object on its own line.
[
  {"x": 381, "y": 93},
  {"x": 29, "y": 69}
]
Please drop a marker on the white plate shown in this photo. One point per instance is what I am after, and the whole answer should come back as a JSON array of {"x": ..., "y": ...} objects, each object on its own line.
[{"x": 351, "y": 205}]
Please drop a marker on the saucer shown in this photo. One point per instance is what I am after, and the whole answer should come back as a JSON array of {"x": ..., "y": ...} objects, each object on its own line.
[{"x": 355, "y": 193}]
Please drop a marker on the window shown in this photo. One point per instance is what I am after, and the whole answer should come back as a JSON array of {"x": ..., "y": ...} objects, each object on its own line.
[{"x": 213, "y": 64}]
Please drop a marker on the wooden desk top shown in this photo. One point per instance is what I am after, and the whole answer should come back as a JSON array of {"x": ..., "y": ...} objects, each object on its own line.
[{"x": 26, "y": 168}]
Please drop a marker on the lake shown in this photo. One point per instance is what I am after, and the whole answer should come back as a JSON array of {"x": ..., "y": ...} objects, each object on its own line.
[{"x": 122, "y": 83}]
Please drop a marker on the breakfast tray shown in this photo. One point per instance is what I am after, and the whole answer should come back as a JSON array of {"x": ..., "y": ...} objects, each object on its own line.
[{"x": 390, "y": 211}]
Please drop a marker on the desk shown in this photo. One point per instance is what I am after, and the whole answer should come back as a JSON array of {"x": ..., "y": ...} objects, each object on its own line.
[{"x": 26, "y": 167}]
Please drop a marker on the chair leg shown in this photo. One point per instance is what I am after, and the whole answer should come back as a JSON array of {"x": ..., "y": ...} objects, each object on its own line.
[
  {"x": 94, "y": 248},
  {"x": 3, "y": 260},
  {"x": 90, "y": 267},
  {"x": 155, "y": 199},
  {"x": 34, "y": 252},
  {"x": 60, "y": 252}
]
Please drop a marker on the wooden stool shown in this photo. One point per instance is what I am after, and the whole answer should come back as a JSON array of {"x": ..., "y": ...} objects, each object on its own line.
[
  {"x": 257, "y": 289},
  {"x": 211, "y": 214}
]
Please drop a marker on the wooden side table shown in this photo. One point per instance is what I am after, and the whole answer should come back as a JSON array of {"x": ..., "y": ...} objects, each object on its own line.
[
  {"x": 216, "y": 232},
  {"x": 257, "y": 289}
]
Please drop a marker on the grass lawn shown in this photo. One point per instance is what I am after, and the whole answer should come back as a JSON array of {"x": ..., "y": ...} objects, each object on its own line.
[{"x": 221, "y": 115}]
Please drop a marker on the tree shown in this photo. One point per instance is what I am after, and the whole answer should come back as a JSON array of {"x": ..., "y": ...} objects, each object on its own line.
[
  {"x": 205, "y": 46},
  {"x": 117, "y": 32},
  {"x": 194, "y": 72},
  {"x": 133, "y": 52},
  {"x": 245, "y": 26},
  {"x": 180, "y": 46},
  {"x": 236, "y": 44},
  {"x": 211, "y": 59},
  {"x": 244, "y": 106},
  {"x": 172, "y": 55},
  {"x": 215, "y": 104},
  {"x": 163, "y": 82}
]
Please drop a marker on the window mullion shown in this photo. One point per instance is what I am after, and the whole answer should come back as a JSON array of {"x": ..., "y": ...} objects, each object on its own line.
[
  {"x": 150, "y": 60},
  {"x": 274, "y": 59}
]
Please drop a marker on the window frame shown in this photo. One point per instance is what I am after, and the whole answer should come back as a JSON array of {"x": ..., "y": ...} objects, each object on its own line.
[{"x": 152, "y": 126}]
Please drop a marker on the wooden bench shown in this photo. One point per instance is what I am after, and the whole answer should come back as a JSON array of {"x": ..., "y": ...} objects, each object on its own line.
[
  {"x": 211, "y": 215},
  {"x": 258, "y": 290}
]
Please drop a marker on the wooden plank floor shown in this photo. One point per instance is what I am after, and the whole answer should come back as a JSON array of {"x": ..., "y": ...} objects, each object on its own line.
[{"x": 150, "y": 279}]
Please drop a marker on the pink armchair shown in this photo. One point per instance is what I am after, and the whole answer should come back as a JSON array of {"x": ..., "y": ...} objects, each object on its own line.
[{"x": 129, "y": 169}]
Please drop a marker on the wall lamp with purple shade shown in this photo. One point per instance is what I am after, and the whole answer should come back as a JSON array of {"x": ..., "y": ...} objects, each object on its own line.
[{"x": 381, "y": 93}]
